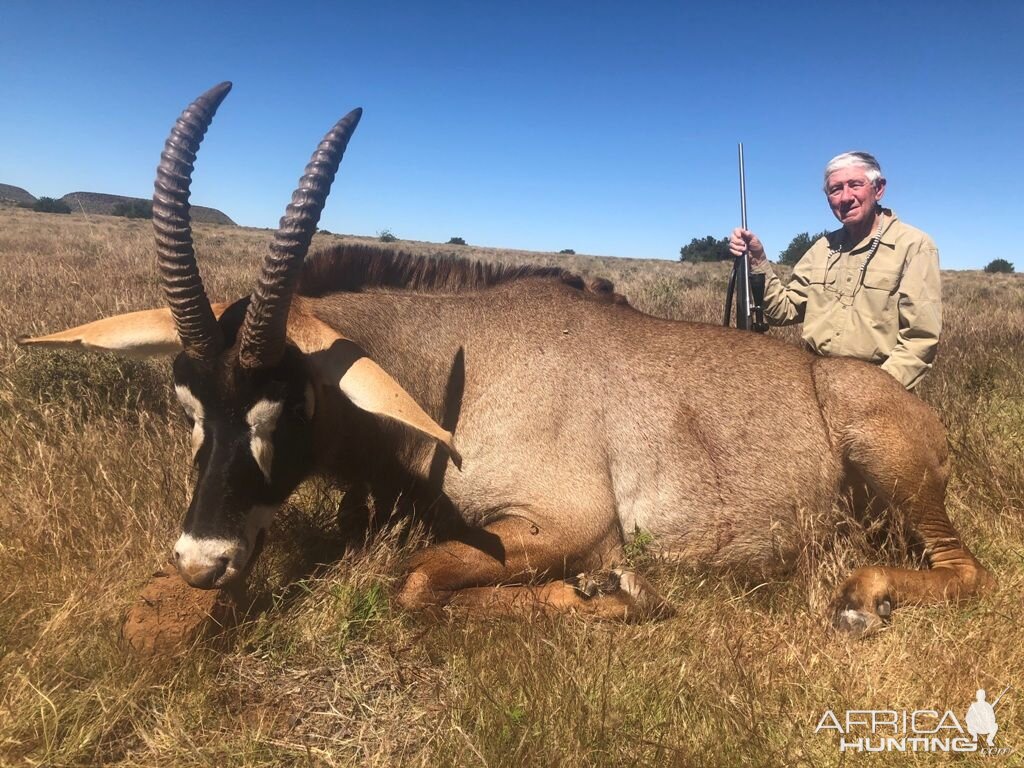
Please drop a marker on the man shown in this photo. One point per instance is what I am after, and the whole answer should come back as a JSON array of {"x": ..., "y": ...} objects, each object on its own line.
[
  {"x": 870, "y": 290},
  {"x": 981, "y": 718}
]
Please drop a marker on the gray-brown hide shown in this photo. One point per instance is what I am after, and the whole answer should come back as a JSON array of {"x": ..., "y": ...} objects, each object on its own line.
[{"x": 581, "y": 420}]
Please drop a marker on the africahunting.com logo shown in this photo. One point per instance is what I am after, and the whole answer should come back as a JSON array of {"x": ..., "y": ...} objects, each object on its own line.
[{"x": 919, "y": 730}]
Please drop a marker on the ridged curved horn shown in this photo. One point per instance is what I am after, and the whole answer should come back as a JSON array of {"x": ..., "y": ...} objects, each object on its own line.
[
  {"x": 176, "y": 259},
  {"x": 263, "y": 334}
]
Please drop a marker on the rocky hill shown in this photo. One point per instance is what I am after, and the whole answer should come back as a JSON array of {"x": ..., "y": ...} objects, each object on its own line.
[
  {"x": 10, "y": 193},
  {"x": 103, "y": 204}
]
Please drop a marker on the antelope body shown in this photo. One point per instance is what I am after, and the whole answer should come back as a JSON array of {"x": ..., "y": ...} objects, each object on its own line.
[{"x": 578, "y": 420}]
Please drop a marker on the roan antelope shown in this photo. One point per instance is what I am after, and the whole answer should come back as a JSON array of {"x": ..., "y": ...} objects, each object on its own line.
[{"x": 579, "y": 420}]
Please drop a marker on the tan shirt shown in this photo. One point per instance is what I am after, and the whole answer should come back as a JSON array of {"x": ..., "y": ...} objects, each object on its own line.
[{"x": 891, "y": 313}]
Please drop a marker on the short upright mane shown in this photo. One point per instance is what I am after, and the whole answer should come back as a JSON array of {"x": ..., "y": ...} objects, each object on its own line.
[{"x": 351, "y": 268}]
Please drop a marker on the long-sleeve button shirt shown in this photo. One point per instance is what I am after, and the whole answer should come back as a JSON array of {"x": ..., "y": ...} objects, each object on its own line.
[{"x": 886, "y": 309}]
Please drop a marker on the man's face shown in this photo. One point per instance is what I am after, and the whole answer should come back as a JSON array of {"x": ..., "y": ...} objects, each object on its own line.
[{"x": 851, "y": 196}]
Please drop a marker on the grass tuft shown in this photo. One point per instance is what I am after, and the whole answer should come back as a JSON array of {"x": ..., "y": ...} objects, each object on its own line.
[{"x": 93, "y": 385}]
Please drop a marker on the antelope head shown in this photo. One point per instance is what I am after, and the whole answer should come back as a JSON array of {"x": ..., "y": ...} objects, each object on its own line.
[{"x": 246, "y": 374}]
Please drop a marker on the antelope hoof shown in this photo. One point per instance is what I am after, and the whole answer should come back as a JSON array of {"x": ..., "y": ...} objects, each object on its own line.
[
  {"x": 857, "y": 624},
  {"x": 589, "y": 586},
  {"x": 864, "y": 604},
  {"x": 635, "y": 598}
]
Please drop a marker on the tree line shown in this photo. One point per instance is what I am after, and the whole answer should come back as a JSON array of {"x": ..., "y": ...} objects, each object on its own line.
[
  {"x": 131, "y": 209},
  {"x": 712, "y": 249}
]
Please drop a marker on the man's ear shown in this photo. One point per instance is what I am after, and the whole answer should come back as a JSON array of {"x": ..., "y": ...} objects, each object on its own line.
[
  {"x": 343, "y": 364},
  {"x": 148, "y": 333}
]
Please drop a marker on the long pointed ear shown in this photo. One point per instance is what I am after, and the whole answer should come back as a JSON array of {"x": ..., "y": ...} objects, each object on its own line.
[
  {"x": 369, "y": 387},
  {"x": 148, "y": 333}
]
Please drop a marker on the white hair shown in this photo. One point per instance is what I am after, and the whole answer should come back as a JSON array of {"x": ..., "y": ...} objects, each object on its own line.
[{"x": 862, "y": 159}]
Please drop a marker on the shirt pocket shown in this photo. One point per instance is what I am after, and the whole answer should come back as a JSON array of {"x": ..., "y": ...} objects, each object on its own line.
[
  {"x": 823, "y": 278},
  {"x": 880, "y": 288}
]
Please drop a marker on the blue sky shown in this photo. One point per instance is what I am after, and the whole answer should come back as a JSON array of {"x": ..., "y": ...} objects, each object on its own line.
[{"x": 610, "y": 128}]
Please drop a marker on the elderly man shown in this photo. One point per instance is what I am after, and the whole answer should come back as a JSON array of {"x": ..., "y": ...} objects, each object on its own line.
[{"x": 870, "y": 290}]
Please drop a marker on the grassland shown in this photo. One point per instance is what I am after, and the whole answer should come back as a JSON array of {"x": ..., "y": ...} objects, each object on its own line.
[{"x": 94, "y": 477}]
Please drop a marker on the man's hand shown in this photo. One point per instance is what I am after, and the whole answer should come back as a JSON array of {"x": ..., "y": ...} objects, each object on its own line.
[{"x": 744, "y": 240}]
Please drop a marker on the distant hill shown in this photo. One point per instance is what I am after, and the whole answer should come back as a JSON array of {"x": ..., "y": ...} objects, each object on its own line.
[
  {"x": 103, "y": 204},
  {"x": 15, "y": 194}
]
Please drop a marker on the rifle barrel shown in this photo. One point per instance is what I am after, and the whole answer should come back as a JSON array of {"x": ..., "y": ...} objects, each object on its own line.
[
  {"x": 744, "y": 299},
  {"x": 743, "y": 190},
  {"x": 1000, "y": 696}
]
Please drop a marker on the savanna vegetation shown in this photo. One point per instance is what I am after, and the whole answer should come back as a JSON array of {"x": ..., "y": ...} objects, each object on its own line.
[
  {"x": 133, "y": 209},
  {"x": 326, "y": 671},
  {"x": 999, "y": 266},
  {"x": 47, "y": 205}
]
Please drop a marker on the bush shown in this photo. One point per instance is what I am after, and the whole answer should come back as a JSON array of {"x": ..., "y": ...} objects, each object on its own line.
[
  {"x": 705, "y": 249},
  {"x": 456, "y": 241},
  {"x": 49, "y": 205},
  {"x": 386, "y": 236},
  {"x": 798, "y": 246},
  {"x": 999, "y": 266},
  {"x": 568, "y": 251},
  {"x": 133, "y": 209}
]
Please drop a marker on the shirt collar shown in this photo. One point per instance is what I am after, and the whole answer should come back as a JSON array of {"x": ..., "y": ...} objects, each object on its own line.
[{"x": 888, "y": 234}]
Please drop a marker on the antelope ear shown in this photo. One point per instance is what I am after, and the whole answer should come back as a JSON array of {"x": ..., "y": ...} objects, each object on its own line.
[
  {"x": 344, "y": 364},
  {"x": 148, "y": 333}
]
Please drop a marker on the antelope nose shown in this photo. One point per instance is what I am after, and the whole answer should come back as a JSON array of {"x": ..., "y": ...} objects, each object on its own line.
[
  {"x": 203, "y": 576},
  {"x": 203, "y": 563}
]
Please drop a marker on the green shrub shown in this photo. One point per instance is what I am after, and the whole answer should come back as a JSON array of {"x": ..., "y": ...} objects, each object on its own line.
[
  {"x": 997, "y": 266},
  {"x": 386, "y": 236},
  {"x": 456, "y": 241},
  {"x": 705, "y": 249},
  {"x": 50, "y": 205},
  {"x": 568, "y": 251},
  {"x": 798, "y": 246},
  {"x": 133, "y": 209}
]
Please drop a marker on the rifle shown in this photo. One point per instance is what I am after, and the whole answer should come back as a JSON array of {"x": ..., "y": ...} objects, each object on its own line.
[
  {"x": 746, "y": 287},
  {"x": 1000, "y": 696}
]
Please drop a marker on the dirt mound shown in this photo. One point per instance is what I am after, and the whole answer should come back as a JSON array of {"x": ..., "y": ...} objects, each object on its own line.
[{"x": 169, "y": 616}]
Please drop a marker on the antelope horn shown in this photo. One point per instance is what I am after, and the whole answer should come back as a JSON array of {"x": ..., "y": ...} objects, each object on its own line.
[
  {"x": 263, "y": 333},
  {"x": 176, "y": 258}
]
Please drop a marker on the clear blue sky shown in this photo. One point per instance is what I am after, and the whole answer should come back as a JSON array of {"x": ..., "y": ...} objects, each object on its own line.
[{"x": 609, "y": 128}]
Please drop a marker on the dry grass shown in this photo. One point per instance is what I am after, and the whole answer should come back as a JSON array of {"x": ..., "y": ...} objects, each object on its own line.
[{"x": 93, "y": 468}]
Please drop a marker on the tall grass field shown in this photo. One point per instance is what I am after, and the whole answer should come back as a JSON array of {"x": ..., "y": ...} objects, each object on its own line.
[{"x": 326, "y": 671}]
